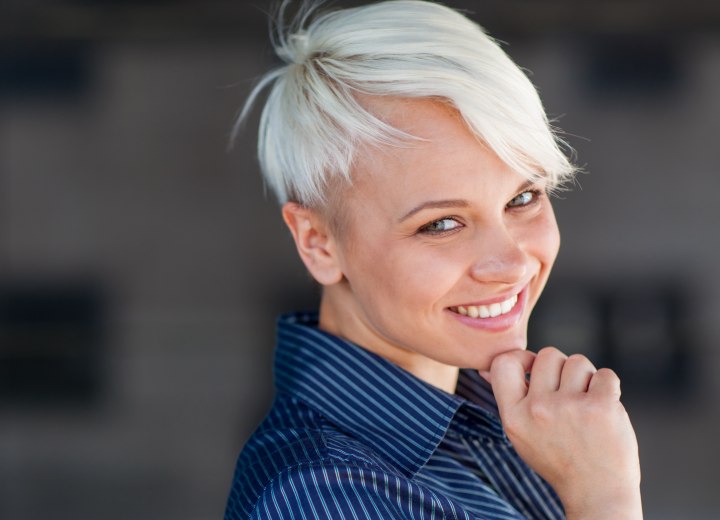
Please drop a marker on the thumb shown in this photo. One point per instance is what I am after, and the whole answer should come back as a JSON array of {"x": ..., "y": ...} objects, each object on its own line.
[{"x": 507, "y": 377}]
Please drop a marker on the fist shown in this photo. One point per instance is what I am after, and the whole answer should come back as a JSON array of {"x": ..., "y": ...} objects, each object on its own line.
[{"x": 567, "y": 423}]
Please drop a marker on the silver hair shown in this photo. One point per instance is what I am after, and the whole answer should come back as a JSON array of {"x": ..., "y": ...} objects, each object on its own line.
[{"x": 313, "y": 123}]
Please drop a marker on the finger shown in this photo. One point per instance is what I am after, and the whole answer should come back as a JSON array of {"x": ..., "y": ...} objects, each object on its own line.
[
  {"x": 507, "y": 375},
  {"x": 576, "y": 374},
  {"x": 605, "y": 382},
  {"x": 546, "y": 370}
]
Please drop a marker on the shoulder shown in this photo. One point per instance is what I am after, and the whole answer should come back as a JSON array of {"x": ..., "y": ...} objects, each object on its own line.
[
  {"x": 330, "y": 490},
  {"x": 294, "y": 433},
  {"x": 296, "y": 455}
]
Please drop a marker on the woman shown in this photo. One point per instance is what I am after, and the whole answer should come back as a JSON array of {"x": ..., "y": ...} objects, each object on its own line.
[{"x": 413, "y": 162}]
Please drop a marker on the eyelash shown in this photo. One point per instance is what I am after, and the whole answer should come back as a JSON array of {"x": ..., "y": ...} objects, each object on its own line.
[
  {"x": 425, "y": 230},
  {"x": 537, "y": 194}
]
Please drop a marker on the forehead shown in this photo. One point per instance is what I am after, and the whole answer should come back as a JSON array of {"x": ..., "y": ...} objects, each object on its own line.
[
  {"x": 444, "y": 161},
  {"x": 418, "y": 117},
  {"x": 432, "y": 126},
  {"x": 442, "y": 154}
]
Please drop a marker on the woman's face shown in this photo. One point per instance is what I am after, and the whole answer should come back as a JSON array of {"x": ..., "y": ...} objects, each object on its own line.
[{"x": 444, "y": 249}]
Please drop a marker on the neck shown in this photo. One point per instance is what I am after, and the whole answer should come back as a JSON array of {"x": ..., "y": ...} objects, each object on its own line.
[{"x": 341, "y": 317}]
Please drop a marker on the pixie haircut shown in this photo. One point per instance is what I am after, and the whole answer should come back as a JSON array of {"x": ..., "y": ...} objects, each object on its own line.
[{"x": 313, "y": 122}]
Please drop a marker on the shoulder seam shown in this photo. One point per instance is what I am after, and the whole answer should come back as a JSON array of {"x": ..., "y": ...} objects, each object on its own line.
[{"x": 320, "y": 464}]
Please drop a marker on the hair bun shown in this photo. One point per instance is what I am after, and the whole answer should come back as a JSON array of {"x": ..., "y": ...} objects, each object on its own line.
[{"x": 295, "y": 48}]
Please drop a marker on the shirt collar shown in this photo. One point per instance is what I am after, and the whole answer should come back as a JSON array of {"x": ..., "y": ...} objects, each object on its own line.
[{"x": 382, "y": 405}]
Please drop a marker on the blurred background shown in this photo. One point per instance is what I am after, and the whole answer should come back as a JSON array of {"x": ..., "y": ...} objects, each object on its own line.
[{"x": 142, "y": 264}]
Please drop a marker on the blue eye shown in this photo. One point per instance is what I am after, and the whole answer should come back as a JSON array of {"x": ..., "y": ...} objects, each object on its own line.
[
  {"x": 524, "y": 199},
  {"x": 438, "y": 227}
]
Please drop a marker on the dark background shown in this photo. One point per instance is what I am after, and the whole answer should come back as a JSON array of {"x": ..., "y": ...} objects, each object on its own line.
[{"x": 141, "y": 265}]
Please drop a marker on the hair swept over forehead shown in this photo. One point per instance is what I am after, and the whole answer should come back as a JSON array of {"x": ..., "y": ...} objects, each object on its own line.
[{"x": 313, "y": 123}]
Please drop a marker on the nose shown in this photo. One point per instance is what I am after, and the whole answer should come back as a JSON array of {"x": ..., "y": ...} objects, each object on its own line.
[{"x": 499, "y": 258}]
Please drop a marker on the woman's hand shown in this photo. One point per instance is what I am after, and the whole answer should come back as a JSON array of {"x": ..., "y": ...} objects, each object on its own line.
[{"x": 567, "y": 423}]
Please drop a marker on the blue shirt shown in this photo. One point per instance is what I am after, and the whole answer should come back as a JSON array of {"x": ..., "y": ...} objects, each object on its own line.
[{"x": 352, "y": 436}]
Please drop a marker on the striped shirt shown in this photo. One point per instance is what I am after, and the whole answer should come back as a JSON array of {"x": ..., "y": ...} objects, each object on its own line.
[{"x": 352, "y": 436}]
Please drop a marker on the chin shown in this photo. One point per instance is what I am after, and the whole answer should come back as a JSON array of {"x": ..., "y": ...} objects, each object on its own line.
[{"x": 480, "y": 357}]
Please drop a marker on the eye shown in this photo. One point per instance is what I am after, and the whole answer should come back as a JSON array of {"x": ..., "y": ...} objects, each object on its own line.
[
  {"x": 526, "y": 198},
  {"x": 438, "y": 227}
]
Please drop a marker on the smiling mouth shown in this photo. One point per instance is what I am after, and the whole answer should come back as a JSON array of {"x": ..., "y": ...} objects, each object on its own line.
[{"x": 487, "y": 311}]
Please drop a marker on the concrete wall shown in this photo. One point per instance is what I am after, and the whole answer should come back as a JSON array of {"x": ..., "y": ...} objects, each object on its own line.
[{"x": 129, "y": 185}]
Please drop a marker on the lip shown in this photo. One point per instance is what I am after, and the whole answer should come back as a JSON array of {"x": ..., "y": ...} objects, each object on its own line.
[{"x": 498, "y": 323}]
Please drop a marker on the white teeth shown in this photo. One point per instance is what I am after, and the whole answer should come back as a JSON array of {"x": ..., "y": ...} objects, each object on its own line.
[
  {"x": 488, "y": 311},
  {"x": 506, "y": 306}
]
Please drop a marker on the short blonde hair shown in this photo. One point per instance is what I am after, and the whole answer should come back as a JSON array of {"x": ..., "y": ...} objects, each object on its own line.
[{"x": 312, "y": 123}]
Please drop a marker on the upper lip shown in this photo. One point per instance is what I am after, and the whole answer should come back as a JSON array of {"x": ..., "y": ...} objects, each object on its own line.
[{"x": 496, "y": 299}]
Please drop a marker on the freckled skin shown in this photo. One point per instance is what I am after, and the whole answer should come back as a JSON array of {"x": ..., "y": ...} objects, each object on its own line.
[{"x": 399, "y": 284}]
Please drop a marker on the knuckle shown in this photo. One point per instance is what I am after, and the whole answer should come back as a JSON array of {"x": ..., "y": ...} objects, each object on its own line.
[
  {"x": 550, "y": 351},
  {"x": 509, "y": 360},
  {"x": 608, "y": 373},
  {"x": 580, "y": 362},
  {"x": 606, "y": 383},
  {"x": 540, "y": 411},
  {"x": 501, "y": 361},
  {"x": 577, "y": 358}
]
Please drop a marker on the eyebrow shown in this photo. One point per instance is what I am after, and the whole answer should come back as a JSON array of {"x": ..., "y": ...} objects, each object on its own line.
[
  {"x": 434, "y": 204},
  {"x": 451, "y": 203}
]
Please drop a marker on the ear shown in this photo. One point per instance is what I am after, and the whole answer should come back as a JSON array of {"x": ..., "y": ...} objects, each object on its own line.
[{"x": 314, "y": 243}]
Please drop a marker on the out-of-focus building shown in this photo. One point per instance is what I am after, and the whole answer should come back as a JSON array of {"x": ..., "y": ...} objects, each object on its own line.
[{"x": 142, "y": 266}]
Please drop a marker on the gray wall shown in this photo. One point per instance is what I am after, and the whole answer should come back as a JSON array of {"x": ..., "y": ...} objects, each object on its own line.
[{"x": 125, "y": 182}]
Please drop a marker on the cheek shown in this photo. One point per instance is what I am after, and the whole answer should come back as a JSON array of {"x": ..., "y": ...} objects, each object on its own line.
[
  {"x": 425, "y": 274},
  {"x": 368, "y": 267},
  {"x": 402, "y": 274}
]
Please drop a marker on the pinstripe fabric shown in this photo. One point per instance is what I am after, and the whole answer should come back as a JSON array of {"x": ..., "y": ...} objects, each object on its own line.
[{"x": 352, "y": 436}]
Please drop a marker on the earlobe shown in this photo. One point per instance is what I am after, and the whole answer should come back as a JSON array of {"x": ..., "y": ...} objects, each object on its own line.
[{"x": 314, "y": 243}]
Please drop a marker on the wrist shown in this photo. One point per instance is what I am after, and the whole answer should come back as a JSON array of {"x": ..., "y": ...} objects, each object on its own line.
[{"x": 618, "y": 505}]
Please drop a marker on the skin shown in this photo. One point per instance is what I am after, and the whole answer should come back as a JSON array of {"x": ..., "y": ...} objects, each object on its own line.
[
  {"x": 389, "y": 286},
  {"x": 442, "y": 223}
]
